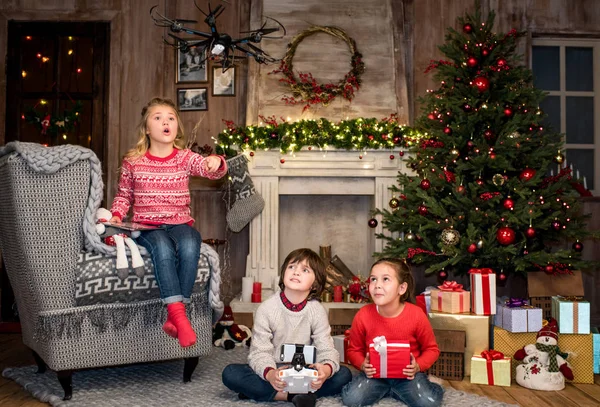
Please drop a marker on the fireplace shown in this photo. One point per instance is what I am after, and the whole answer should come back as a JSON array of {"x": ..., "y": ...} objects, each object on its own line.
[{"x": 317, "y": 179}]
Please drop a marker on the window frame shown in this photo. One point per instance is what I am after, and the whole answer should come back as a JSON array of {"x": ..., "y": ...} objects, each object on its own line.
[{"x": 562, "y": 93}]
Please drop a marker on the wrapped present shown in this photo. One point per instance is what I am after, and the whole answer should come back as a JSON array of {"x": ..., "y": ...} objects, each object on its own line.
[
  {"x": 476, "y": 327},
  {"x": 572, "y": 314},
  {"x": 450, "y": 297},
  {"x": 389, "y": 359},
  {"x": 491, "y": 367},
  {"x": 541, "y": 287},
  {"x": 596, "y": 340},
  {"x": 579, "y": 347},
  {"x": 516, "y": 316},
  {"x": 483, "y": 291},
  {"x": 341, "y": 343}
]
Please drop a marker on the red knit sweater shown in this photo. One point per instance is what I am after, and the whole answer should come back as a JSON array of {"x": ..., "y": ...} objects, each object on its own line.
[
  {"x": 157, "y": 187},
  {"x": 411, "y": 325}
]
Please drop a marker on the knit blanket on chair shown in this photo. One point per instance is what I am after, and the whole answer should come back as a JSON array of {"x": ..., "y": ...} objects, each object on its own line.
[{"x": 49, "y": 160}]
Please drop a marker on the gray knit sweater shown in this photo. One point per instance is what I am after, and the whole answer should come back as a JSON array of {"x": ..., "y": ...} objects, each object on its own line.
[{"x": 275, "y": 325}]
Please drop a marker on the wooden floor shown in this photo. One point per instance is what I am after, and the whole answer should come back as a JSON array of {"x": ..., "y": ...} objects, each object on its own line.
[{"x": 14, "y": 353}]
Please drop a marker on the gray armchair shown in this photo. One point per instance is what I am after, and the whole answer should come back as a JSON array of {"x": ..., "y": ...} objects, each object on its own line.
[{"x": 75, "y": 312}]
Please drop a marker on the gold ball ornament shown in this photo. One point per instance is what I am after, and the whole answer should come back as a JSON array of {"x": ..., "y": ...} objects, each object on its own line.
[
  {"x": 394, "y": 203},
  {"x": 409, "y": 236},
  {"x": 559, "y": 158},
  {"x": 479, "y": 244},
  {"x": 498, "y": 180},
  {"x": 514, "y": 134},
  {"x": 454, "y": 152},
  {"x": 450, "y": 237}
]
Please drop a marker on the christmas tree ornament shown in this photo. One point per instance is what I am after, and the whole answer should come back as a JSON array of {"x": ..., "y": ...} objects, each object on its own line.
[
  {"x": 251, "y": 153},
  {"x": 489, "y": 135},
  {"x": 479, "y": 244},
  {"x": 498, "y": 180},
  {"x": 485, "y": 52},
  {"x": 559, "y": 158},
  {"x": 392, "y": 156},
  {"x": 505, "y": 236},
  {"x": 481, "y": 83},
  {"x": 467, "y": 108},
  {"x": 409, "y": 236},
  {"x": 423, "y": 210},
  {"x": 501, "y": 277},
  {"x": 454, "y": 152},
  {"x": 247, "y": 203},
  {"x": 472, "y": 248},
  {"x": 479, "y": 181},
  {"x": 450, "y": 237},
  {"x": 394, "y": 203},
  {"x": 373, "y": 223},
  {"x": 470, "y": 144},
  {"x": 401, "y": 153},
  {"x": 549, "y": 269},
  {"x": 282, "y": 160},
  {"x": 468, "y": 28},
  {"x": 501, "y": 62},
  {"x": 442, "y": 275},
  {"x": 425, "y": 184},
  {"x": 513, "y": 135},
  {"x": 556, "y": 225},
  {"x": 397, "y": 139},
  {"x": 508, "y": 204},
  {"x": 461, "y": 189},
  {"x": 447, "y": 130},
  {"x": 431, "y": 116},
  {"x": 472, "y": 62},
  {"x": 578, "y": 246},
  {"x": 527, "y": 174},
  {"x": 530, "y": 232},
  {"x": 492, "y": 156},
  {"x": 274, "y": 136},
  {"x": 508, "y": 111}
]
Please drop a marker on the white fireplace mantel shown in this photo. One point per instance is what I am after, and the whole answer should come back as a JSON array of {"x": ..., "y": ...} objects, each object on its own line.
[{"x": 315, "y": 172}]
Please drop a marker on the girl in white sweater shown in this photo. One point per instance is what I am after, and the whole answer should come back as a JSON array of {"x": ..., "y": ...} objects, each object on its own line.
[{"x": 293, "y": 315}]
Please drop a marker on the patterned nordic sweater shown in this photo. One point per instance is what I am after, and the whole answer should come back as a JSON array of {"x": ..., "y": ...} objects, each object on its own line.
[
  {"x": 158, "y": 187},
  {"x": 275, "y": 325}
]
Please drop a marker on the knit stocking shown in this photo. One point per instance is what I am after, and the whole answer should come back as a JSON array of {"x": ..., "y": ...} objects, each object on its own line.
[
  {"x": 247, "y": 202},
  {"x": 169, "y": 327},
  {"x": 179, "y": 319}
]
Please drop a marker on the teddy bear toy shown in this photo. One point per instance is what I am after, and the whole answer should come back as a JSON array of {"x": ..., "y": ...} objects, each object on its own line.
[
  {"x": 229, "y": 334},
  {"x": 544, "y": 365},
  {"x": 114, "y": 236}
]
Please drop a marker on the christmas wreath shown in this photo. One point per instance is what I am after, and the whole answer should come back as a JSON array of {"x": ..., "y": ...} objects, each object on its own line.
[
  {"x": 54, "y": 124},
  {"x": 305, "y": 89}
]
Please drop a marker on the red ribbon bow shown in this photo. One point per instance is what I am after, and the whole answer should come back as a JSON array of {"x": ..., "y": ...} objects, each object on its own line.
[
  {"x": 481, "y": 271},
  {"x": 451, "y": 286},
  {"x": 492, "y": 355}
]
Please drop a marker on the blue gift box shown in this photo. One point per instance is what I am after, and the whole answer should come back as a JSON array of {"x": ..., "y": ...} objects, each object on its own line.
[
  {"x": 596, "y": 336},
  {"x": 519, "y": 319},
  {"x": 572, "y": 314}
]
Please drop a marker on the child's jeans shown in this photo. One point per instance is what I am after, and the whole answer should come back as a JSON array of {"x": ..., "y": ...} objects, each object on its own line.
[
  {"x": 242, "y": 379},
  {"x": 175, "y": 251},
  {"x": 419, "y": 392}
]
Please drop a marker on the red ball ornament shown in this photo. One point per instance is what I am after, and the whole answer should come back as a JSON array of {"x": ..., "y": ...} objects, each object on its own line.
[
  {"x": 508, "y": 204},
  {"x": 549, "y": 269},
  {"x": 578, "y": 246},
  {"x": 472, "y": 248},
  {"x": 273, "y": 135},
  {"x": 467, "y": 107},
  {"x": 401, "y": 153},
  {"x": 246, "y": 140},
  {"x": 442, "y": 275},
  {"x": 488, "y": 134},
  {"x": 501, "y": 62},
  {"x": 392, "y": 156},
  {"x": 282, "y": 160},
  {"x": 373, "y": 223},
  {"x": 527, "y": 174},
  {"x": 251, "y": 153},
  {"x": 501, "y": 277},
  {"x": 479, "y": 181},
  {"x": 447, "y": 130},
  {"x": 493, "y": 156},
  {"x": 485, "y": 52},
  {"x": 472, "y": 62},
  {"x": 460, "y": 189},
  {"x": 481, "y": 83},
  {"x": 530, "y": 233},
  {"x": 556, "y": 225},
  {"x": 423, "y": 210},
  {"x": 508, "y": 112},
  {"x": 431, "y": 116},
  {"x": 505, "y": 236},
  {"x": 468, "y": 28},
  {"x": 470, "y": 144},
  {"x": 397, "y": 139},
  {"x": 370, "y": 137},
  {"x": 425, "y": 184}
]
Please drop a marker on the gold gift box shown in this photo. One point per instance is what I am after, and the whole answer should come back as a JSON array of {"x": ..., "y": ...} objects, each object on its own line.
[
  {"x": 451, "y": 301},
  {"x": 582, "y": 347},
  {"x": 500, "y": 370},
  {"x": 476, "y": 327}
]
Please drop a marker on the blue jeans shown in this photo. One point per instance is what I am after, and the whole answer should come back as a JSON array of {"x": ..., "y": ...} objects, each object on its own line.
[
  {"x": 419, "y": 392},
  {"x": 175, "y": 251},
  {"x": 242, "y": 379}
]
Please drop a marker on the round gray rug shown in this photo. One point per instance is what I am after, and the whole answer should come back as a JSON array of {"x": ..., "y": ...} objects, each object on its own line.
[{"x": 160, "y": 384}]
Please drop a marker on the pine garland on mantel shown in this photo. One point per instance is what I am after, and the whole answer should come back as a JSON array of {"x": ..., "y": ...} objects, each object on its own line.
[{"x": 289, "y": 137}]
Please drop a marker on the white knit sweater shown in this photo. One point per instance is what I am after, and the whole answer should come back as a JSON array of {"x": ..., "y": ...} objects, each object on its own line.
[{"x": 275, "y": 325}]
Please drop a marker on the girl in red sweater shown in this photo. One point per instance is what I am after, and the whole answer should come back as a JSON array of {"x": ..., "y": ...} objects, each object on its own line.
[
  {"x": 154, "y": 183},
  {"x": 393, "y": 315}
]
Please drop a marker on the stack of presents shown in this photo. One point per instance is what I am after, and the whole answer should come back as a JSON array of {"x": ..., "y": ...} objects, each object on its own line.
[{"x": 541, "y": 342}]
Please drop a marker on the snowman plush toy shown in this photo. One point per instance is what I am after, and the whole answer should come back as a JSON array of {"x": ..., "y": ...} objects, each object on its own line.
[{"x": 544, "y": 365}]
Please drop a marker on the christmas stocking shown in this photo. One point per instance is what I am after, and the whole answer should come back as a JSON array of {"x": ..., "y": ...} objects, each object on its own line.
[{"x": 247, "y": 203}]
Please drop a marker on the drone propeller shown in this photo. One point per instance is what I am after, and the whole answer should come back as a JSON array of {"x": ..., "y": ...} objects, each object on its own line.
[{"x": 262, "y": 32}]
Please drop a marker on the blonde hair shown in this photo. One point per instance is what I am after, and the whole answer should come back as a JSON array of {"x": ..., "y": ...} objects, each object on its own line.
[
  {"x": 404, "y": 275},
  {"x": 316, "y": 264},
  {"x": 143, "y": 143}
]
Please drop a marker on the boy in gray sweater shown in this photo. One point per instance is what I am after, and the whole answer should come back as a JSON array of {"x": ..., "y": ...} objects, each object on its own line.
[{"x": 293, "y": 315}]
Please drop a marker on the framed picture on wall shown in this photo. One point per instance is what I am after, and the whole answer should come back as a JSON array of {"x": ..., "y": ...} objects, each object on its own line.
[
  {"x": 223, "y": 82},
  {"x": 191, "y": 66},
  {"x": 192, "y": 99}
]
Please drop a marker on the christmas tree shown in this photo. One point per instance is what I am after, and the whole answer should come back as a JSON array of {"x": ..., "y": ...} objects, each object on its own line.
[{"x": 482, "y": 193}]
